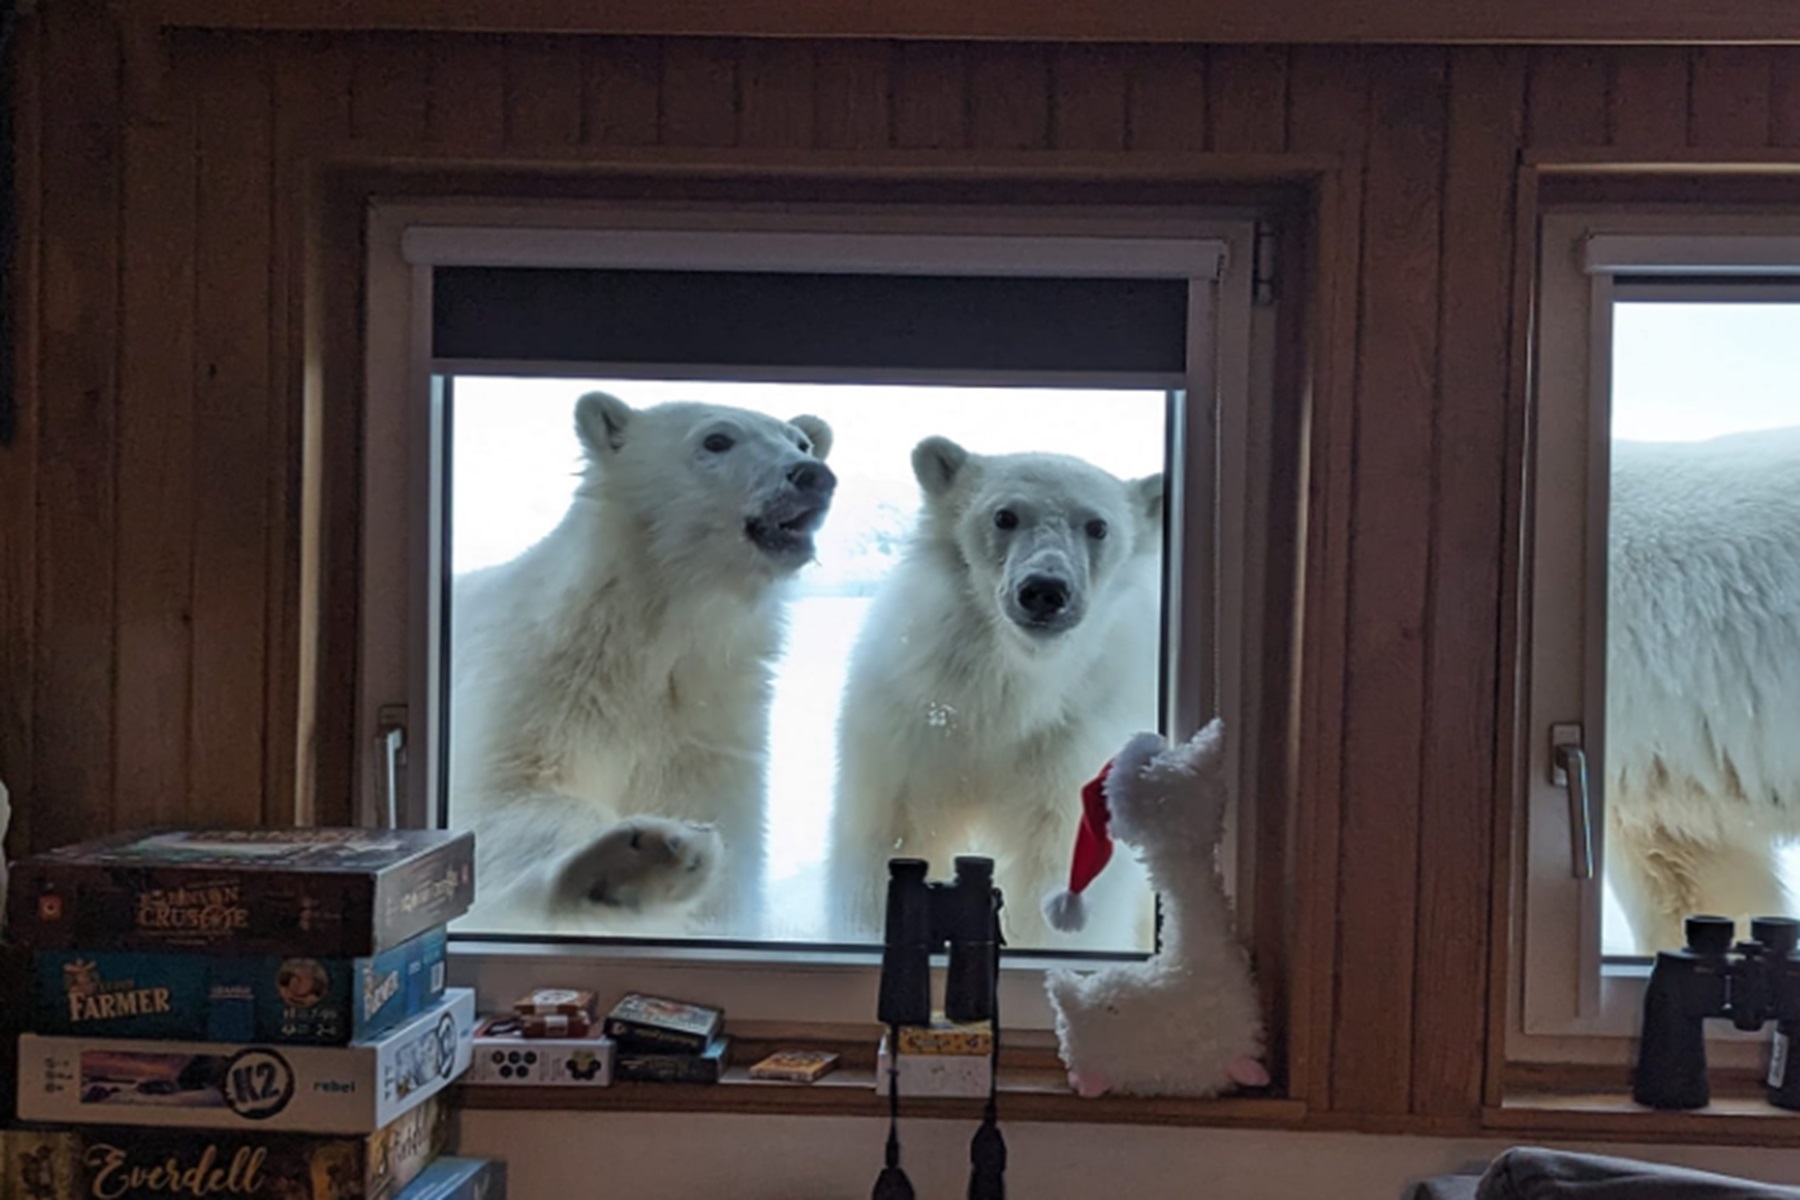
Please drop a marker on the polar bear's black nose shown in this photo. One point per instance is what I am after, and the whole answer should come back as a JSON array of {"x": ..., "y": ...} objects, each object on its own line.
[
  {"x": 1043, "y": 596},
  {"x": 812, "y": 477}
]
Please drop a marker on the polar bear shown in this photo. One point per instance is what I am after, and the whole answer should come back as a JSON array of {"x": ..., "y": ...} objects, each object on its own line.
[
  {"x": 1012, "y": 649},
  {"x": 610, "y": 686},
  {"x": 1703, "y": 679}
]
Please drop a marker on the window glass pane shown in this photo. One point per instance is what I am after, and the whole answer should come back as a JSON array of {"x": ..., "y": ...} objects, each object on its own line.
[
  {"x": 968, "y": 636},
  {"x": 1703, "y": 617}
]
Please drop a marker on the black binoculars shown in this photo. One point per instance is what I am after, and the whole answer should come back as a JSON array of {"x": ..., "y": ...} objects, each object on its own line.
[
  {"x": 1753, "y": 982},
  {"x": 922, "y": 917}
]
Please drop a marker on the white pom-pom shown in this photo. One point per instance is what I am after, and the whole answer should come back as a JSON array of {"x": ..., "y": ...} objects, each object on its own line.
[{"x": 1065, "y": 910}]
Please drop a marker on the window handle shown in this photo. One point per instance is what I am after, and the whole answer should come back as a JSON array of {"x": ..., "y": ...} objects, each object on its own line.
[
  {"x": 1570, "y": 771},
  {"x": 390, "y": 758}
]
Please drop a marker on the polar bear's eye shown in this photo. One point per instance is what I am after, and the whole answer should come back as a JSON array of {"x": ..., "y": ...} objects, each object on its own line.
[
  {"x": 1006, "y": 518},
  {"x": 1096, "y": 529},
  {"x": 718, "y": 443}
]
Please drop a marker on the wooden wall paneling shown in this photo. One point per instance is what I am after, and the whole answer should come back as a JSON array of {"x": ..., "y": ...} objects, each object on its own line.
[
  {"x": 156, "y": 465},
  {"x": 543, "y": 91},
  {"x": 853, "y": 95},
  {"x": 1009, "y": 97},
  {"x": 700, "y": 93},
  {"x": 1732, "y": 87},
  {"x": 18, "y": 459},
  {"x": 73, "y": 667},
  {"x": 1389, "y": 561},
  {"x": 1647, "y": 101},
  {"x": 311, "y": 117},
  {"x": 1088, "y": 98},
  {"x": 1246, "y": 98},
  {"x": 622, "y": 91},
  {"x": 778, "y": 88},
  {"x": 389, "y": 100},
  {"x": 1784, "y": 96},
  {"x": 236, "y": 442},
  {"x": 1450, "y": 992},
  {"x": 1566, "y": 104},
  {"x": 931, "y": 96},
  {"x": 1328, "y": 113},
  {"x": 1167, "y": 98},
  {"x": 466, "y": 92}
]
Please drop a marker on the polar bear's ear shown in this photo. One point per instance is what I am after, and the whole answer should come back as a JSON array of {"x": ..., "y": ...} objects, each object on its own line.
[
  {"x": 937, "y": 461},
  {"x": 600, "y": 422},
  {"x": 817, "y": 432},
  {"x": 1148, "y": 493}
]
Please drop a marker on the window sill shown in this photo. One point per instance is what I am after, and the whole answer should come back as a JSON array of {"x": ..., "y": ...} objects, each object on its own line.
[
  {"x": 1026, "y": 1094},
  {"x": 1739, "y": 1114}
]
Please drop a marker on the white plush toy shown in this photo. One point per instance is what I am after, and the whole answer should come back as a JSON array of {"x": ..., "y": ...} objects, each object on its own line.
[{"x": 1185, "y": 1022}]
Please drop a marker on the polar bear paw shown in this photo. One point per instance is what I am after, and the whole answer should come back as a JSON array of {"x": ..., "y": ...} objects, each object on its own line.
[{"x": 643, "y": 863}]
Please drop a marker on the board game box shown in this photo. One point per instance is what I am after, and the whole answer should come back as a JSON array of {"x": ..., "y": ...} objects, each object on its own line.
[
  {"x": 206, "y": 998},
  {"x": 654, "y": 1023},
  {"x": 505, "y": 1054},
  {"x": 459, "y": 1179},
  {"x": 659, "y": 1066},
  {"x": 304, "y": 1089},
  {"x": 123, "y": 1163},
  {"x": 320, "y": 892}
]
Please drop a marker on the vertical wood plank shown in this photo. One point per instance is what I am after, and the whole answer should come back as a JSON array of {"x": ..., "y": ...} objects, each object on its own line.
[
  {"x": 1328, "y": 113},
  {"x": 1567, "y": 100},
  {"x": 853, "y": 95},
  {"x": 1389, "y": 559},
  {"x": 1732, "y": 89},
  {"x": 1089, "y": 98},
  {"x": 622, "y": 88},
  {"x": 19, "y": 459},
  {"x": 1784, "y": 100},
  {"x": 543, "y": 91},
  {"x": 232, "y": 426},
  {"x": 73, "y": 668},
  {"x": 317, "y": 626},
  {"x": 388, "y": 96},
  {"x": 156, "y": 476},
  {"x": 931, "y": 95},
  {"x": 1450, "y": 992},
  {"x": 1648, "y": 100},
  {"x": 777, "y": 83},
  {"x": 1167, "y": 98},
  {"x": 467, "y": 92},
  {"x": 1246, "y": 98},
  {"x": 1009, "y": 97},
  {"x": 700, "y": 92}
]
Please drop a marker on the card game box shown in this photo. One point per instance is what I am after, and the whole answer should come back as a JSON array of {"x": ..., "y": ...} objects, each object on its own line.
[
  {"x": 795, "y": 1066},
  {"x": 206, "y": 998},
  {"x": 656, "y": 1024},
  {"x": 459, "y": 1179},
  {"x": 935, "y": 1074},
  {"x": 124, "y": 1163},
  {"x": 661, "y": 1066},
  {"x": 304, "y": 1089},
  {"x": 319, "y": 892},
  {"x": 505, "y": 1053}
]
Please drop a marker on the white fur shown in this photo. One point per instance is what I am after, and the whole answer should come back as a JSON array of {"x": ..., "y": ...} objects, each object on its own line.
[
  {"x": 608, "y": 723},
  {"x": 1186, "y": 1022},
  {"x": 1703, "y": 678},
  {"x": 961, "y": 732}
]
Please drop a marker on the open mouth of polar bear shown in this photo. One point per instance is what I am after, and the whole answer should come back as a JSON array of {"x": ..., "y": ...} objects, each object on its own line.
[{"x": 785, "y": 531}]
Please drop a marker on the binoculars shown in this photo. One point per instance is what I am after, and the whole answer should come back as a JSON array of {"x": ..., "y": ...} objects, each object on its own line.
[
  {"x": 923, "y": 916},
  {"x": 1753, "y": 982}
]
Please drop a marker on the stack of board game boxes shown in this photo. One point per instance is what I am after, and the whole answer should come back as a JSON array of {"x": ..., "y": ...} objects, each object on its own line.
[
  {"x": 241, "y": 1013},
  {"x": 660, "y": 1040}
]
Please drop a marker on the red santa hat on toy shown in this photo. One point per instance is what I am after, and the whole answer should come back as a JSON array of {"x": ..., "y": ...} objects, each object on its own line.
[{"x": 1065, "y": 909}]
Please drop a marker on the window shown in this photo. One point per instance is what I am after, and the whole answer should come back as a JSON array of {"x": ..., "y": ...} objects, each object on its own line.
[
  {"x": 1660, "y": 778},
  {"x": 927, "y": 350}
]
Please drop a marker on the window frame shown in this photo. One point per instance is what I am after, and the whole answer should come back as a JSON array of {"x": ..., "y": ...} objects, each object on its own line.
[
  {"x": 1566, "y": 1002},
  {"x": 404, "y": 448}
]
